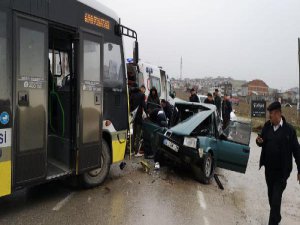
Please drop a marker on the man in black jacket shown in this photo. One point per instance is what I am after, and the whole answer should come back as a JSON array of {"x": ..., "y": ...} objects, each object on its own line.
[
  {"x": 194, "y": 96},
  {"x": 279, "y": 144},
  {"x": 218, "y": 101},
  {"x": 137, "y": 102},
  {"x": 209, "y": 99},
  {"x": 226, "y": 110}
]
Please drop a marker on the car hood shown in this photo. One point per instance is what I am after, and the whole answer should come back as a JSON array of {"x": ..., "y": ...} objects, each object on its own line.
[{"x": 186, "y": 127}]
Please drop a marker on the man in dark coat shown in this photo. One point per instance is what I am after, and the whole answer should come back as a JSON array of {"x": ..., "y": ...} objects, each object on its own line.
[
  {"x": 209, "y": 99},
  {"x": 194, "y": 96},
  {"x": 218, "y": 101},
  {"x": 137, "y": 102},
  {"x": 226, "y": 110},
  {"x": 279, "y": 144}
]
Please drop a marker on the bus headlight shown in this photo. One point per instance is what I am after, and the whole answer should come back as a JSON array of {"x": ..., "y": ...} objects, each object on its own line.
[{"x": 190, "y": 142}]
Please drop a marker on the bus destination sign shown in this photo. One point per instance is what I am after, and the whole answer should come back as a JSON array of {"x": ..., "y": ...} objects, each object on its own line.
[{"x": 96, "y": 21}]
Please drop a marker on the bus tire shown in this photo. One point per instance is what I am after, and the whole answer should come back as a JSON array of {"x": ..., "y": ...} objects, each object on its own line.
[{"x": 96, "y": 177}]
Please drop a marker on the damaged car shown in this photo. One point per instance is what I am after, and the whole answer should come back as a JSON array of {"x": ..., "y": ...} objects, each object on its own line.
[{"x": 196, "y": 139}]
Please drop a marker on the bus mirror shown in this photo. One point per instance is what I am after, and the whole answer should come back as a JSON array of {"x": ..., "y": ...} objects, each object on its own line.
[{"x": 136, "y": 52}]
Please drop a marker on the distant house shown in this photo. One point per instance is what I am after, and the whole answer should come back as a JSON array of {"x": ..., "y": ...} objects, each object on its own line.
[
  {"x": 290, "y": 96},
  {"x": 255, "y": 87}
]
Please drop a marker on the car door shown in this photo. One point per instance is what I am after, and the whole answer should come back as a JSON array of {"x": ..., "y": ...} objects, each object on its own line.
[{"x": 233, "y": 150}]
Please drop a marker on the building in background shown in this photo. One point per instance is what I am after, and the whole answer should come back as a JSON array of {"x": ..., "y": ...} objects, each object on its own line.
[{"x": 255, "y": 87}]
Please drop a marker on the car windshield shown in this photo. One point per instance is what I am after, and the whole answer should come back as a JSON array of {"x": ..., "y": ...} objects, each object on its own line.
[{"x": 187, "y": 126}]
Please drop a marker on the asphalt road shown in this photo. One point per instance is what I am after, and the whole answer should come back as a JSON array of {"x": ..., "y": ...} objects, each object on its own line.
[{"x": 167, "y": 196}]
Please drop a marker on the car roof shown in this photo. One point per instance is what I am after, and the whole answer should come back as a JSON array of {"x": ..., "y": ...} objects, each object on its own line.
[{"x": 186, "y": 127}]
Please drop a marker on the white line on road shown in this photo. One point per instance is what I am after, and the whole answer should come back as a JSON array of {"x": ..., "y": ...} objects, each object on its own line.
[
  {"x": 201, "y": 199},
  {"x": 63, "y": 202}
]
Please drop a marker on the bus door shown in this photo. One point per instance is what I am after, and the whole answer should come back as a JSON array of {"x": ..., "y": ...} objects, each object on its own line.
[
  {"x": 5, "y": 104},
  {"x": 90, "y": 68},
  {"x": 31, "y": 89}
]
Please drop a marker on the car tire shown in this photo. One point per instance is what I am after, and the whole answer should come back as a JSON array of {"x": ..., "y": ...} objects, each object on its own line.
[
  {"x": 204, "y": 172},
  {"x": 97, "y": 176}
]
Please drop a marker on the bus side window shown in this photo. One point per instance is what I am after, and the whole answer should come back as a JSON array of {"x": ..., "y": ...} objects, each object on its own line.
[
  {"x": 62, "y": 69},
  {"x": 113, "y": 66}
]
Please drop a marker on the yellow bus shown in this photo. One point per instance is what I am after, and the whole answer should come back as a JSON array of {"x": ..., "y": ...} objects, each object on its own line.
[{"x": 63, "y": 92}]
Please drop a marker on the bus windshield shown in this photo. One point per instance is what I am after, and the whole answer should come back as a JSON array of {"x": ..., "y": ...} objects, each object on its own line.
[{"x": 113, "y": 68}]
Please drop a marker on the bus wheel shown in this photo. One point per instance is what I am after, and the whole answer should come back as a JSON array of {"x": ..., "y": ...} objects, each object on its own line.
[{"x": 97, "y": 176}]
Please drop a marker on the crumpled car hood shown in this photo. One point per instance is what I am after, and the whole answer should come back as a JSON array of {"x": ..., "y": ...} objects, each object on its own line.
[{"x": 186, "y": 127}]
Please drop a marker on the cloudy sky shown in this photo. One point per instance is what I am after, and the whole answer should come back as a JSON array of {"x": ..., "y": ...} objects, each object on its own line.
[{"x": 244, "y": 39}]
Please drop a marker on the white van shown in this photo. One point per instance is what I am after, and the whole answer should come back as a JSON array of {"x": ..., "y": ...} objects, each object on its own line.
[{"x": 149, "y": 76}]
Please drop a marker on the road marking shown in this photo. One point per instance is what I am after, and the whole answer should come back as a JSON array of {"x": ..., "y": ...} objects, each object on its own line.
[
  {"x": 201, "y": 199},
  {"x": 63, "y": 202},
  {"x": 206, "y": 222}
]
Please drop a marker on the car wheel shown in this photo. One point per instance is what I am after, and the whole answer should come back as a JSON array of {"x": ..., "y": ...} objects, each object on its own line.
[
  {"x": 97, "y": 176},
  {"x": 204, "y": 172}
]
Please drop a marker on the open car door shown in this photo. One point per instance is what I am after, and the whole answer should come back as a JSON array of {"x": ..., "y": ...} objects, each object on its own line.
[{"x": 233, "y": 152}]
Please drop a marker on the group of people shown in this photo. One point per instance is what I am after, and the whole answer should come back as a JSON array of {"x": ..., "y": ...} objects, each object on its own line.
[
  {"x": 224, "y": 108},
  {"x": 278, "y": 138},
  {"x": 158, "y": 111}
]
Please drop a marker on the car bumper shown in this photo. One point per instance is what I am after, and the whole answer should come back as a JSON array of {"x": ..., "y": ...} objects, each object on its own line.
[{"x": 184, "y": 154}]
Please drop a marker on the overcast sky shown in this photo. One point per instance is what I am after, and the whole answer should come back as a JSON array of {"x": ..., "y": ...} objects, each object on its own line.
[{"x": 244, "y": 39}]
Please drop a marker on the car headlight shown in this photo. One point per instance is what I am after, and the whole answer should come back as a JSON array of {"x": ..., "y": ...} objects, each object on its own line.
[{"x": 190, "y": 142}]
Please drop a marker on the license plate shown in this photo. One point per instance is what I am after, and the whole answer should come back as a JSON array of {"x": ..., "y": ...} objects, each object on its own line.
[{"x": 171, "y": 145}]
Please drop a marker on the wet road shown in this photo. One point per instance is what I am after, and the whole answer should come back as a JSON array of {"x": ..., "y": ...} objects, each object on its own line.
[{"x": 164, "y": 197}]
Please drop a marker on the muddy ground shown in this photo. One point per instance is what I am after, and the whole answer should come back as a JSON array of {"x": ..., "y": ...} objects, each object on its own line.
[{"x": 168, "y": 196}]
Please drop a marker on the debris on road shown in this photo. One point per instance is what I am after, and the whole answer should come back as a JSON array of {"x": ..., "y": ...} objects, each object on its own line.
[
  {"x": 146, "y": 166},
  {"x": 220, "y": 185}
]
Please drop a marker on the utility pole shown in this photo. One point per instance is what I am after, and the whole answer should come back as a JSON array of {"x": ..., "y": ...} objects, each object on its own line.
[{"x": 181, "y": 68}]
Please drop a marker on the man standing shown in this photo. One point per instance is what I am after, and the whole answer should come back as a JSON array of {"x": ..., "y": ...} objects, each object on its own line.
[
  {"x": 194, "y": 97},
  {"x": 226, "y": 110},
  {"x": 218, "y": 101},
  {"x": 279, "y": 144},
  {"x": 137, "y": 102},
  {"x": 209, "y": 99}
]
